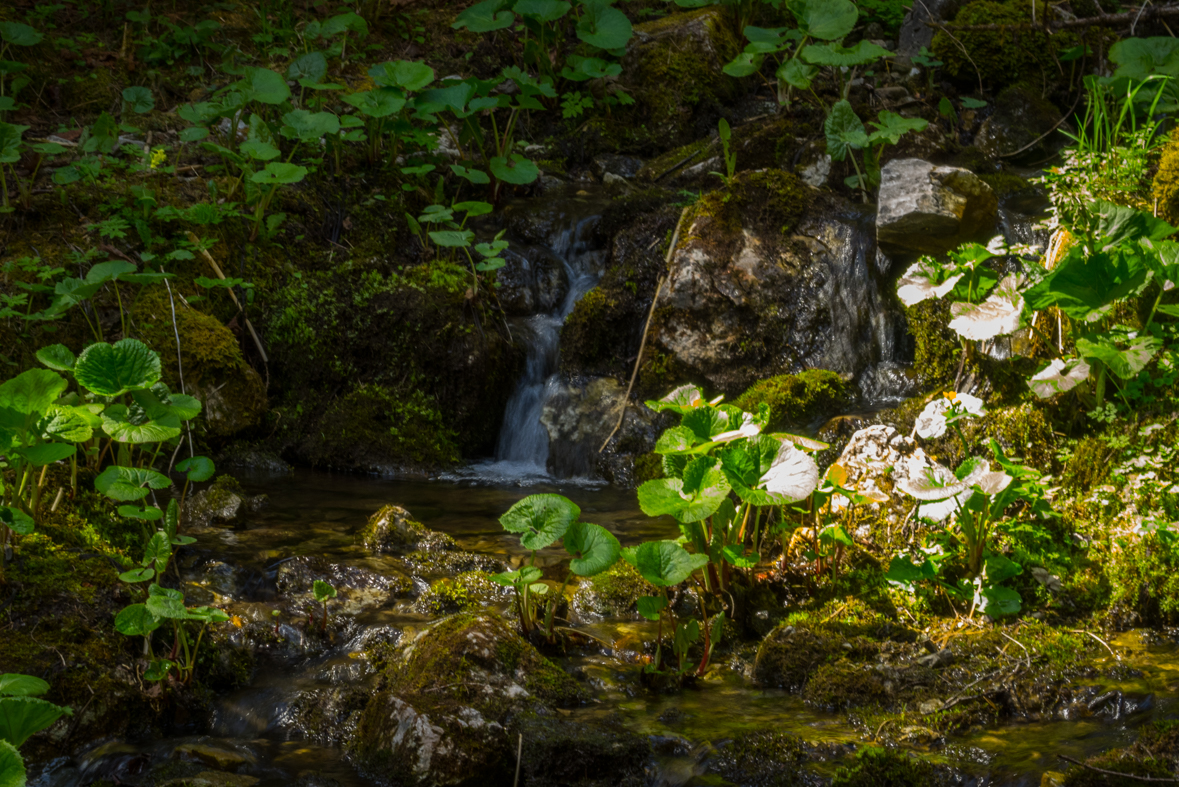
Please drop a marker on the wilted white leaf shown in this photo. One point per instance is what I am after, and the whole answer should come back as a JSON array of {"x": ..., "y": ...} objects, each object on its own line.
[
  {"x": 792, "y": 474},
  {"x": 1059, "y": 376},
  {"x": 931, "y": 423},
  {"x": 994, "y": 483},
  {"x": 937, "y": 483},
  {"x": 998, "y": 315},
  {"x": 917, "y": 284},
  {"x": 747, "y": 429}
]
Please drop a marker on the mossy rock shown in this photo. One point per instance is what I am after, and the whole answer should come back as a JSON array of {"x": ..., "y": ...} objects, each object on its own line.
[
  {"x": 1022, "y": 120},
  {"x": 935, "y": 346},
  {"x": 393, "y": 529},
  {"x": 1004, "y": 56},
  {"x": 767, "y": 759},
  {"x": 1144, "y": 582},
  {"x": 469, "y": 591},
  {"x": 1165, "y": 188},
  {"x": 797, "y": 399},
  {"x": 214, "y": 368},
  {"x": 613, "y": 593},
  {"x": 445, "y": 697},
  {"x": 877, "y": 766},
  {"x": 578, "y": 753}
]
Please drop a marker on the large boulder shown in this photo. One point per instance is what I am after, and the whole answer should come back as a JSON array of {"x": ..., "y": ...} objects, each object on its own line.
[
  {"x": 770, "y": 277},
  {"x": 930, "y": 209},
  {"x": 447, "y": 699}
]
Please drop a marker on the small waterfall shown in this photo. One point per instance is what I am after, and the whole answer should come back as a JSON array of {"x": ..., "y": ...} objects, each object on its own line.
[{"x": 523, "y": 447}]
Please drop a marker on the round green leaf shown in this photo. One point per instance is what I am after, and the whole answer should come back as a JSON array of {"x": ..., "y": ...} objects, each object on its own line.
[
  {"x": 827, "y": 20},
  {"x": 114, "y": 369},
  {"x": 57, "y": 357},
  {"x": 117, "y": 422},
  {"x": 542, "y": 10},
  {"x": 264, "y": 85},
  {"x": 485, "y": 17},
  {"x": 405, "y": 74},
  {"x": 137, "y": 575},
  {"x": 16, "y": 520},
  {"x": 139, "y": 98},
  {"x": 196, "y": 468},
  {"x": 322, "y": 590},
  {"x": 280, "y": 172},
  {"x": 593, "y": 547},
  {"x": 604, "y": 26},
  {"x": 16, "y": 685},
  {"x": 167, "y": 607},
  {"x": 514, "y": 169},
  {"x": 46, "y": 453},
  {"x": 12, "y": 767},
  {"x": 540, "y": 519},
  {"x": 22, "y": 717},
  {"x": 69, "y": 424},
  {"x": 19, "y": 34},
  {"x": 136, "y": 621},
  {"x": 127, "y": 484},
  {"x": 311, "y": 66},
  {"x": 844, "y": 131},
  {"x": 666, "y": 563}
]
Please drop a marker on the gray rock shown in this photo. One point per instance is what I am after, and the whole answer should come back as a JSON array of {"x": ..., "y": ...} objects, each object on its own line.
[
  {"x": 915, "y": 32},
  {"x": 532, "y": 280},
  {"x": 223, "y": 503},
  {"x": 613, "y": 164},
  {"x": 931, "y": 209},
  {"x": 1021, "y": 119},
  {"x": 579, "y": 418},
  {"x": 393, "y": 529}
]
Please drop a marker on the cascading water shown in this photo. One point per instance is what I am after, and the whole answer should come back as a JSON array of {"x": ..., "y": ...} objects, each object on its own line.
[{"x": 523, "y": 447}]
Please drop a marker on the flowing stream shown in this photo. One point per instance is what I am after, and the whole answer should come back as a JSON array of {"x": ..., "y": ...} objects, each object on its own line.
[{"x": 319, "y": 514}]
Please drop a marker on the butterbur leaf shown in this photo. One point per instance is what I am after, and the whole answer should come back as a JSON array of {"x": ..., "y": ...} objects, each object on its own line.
[
  {"x": 134, "y": 576},
  {"x": 485, "y": 17},
  {"x": 127, "y": 484},
  {"x": 16, "y": 520},
  {"x": 12, "y": 766},
  {"x": 923, "y": 280},
  {"x": 16, "y": 685},
  {"x": 311, "y": 67},
  {"x": 695, "y": 497},
  {"x": 650, "y": 607},
  {"x": 1058, "y": 376},
  {"x": 139, "y": 99},
  {"x": 998, "y": 602},
  {"x": 22, "y": 717},
  {"x": 793, "y": 474},
  {"x": 1126, "y": 362},
  {"x": 744, "y": 64},
  {"x": 681, "y": 400},
  {"x": 136, "y": 621},
  {"x": 523, "y": 577},
  {"x": 514, "y": 169},
  {"x": 279, "y": 172},
  {"x": 57, "y": 357},
  {"x": 264, "y": 85},
  {"x": 593, "y": 547},
  {"x": 998, "y": 315},
  {"x": 167, "y": 607},
  {"x": 117, "y": 423},
  {"x": 476, "y": 176},
  {"x": 542, "y": 10},
  {"x": 158, "y": 551},
  {"x": 938, "y": 483},
  {"x": 603, "y": 26},
  {"x": 25, "y": 397},
  {"x": 892, "y": 127},
  {"x": 706, "y": 422},
  {"x": 826, "y": 20},
  {"x": 115, "y": 369},
  {"x": 540, "y": 519},
  {"x": 666, "y": 563},
  {"x": 196, "y": 468},
  {"x": 322, "y": 590},
  {"x": 46, "y": 453},
  {"x": 149, "y": 514},
  {"x": 844, "y": 131},
  {"x": 405, "y": 74},
  {"x": 836, "y": 56},
  {"x": 797, "y": 74}
]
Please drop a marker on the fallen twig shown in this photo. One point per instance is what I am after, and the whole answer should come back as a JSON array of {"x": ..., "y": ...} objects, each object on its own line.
[
  {"x": 217, "y": 269},
  {"x": 1120, "y": 774}
]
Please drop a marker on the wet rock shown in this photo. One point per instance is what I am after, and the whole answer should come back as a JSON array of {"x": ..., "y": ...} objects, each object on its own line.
[
  {"x": 447, "y": 699},
  {"x": 357, "y": 588},
  {"x": 1021, "y": 119},
  {"x": 533, "y": 280},
  {"x": 612, "y": 593},
  {"x": 393, "y": 529},
  {"x": 931, "y": 209},
  {"x": 620, "y": 166},
  {"x": 770, "y": 277},
  {"x": 774, "y": 759},
  {"x": 255, "y": 460},
  {"x": 580, "y": 417},
  {"x": 223, "y": 503},
  {"x": 469, "y": 591},
  {"x": 915, "y": 30},
  {"x": 565, "y": 752},
  {"x": 209, "y": 754},
  {"x": 212, "y": 779}
]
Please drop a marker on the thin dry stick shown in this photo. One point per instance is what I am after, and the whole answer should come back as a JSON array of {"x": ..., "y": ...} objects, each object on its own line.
[
  {"x": 1156, "y": 779},
  {"x": 217, "y": 269},
  {"x": 675, "y": 238},
  {"x": 180, "y": 370},
  {"x": 1099, "y": 639},
  {"x": 1057, "y": 125},
  {"x": 961, "y": 46}
]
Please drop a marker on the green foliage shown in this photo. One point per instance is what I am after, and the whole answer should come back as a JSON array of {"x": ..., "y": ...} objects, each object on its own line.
[{"x": 796, "y": 400}]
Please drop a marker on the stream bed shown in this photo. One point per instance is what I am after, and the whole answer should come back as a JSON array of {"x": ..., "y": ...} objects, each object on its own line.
[{"x": 310, "y": 513}]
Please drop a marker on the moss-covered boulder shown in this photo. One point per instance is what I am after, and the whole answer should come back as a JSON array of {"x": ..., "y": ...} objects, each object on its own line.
[
  {"x": 562, "y": 752},
  {"x": 1165, "y": 188},
  {"x": 1007, "y": 50},
  {"x": 447, "y": 697},
  {"x": 770, "y": 277},
  {"x": 613, "y": 593},
  {"x": 468, "y": 591},
  {"x": 797, "y": 399},
  {"x": 876, "y": 766},
  {"x": 393, "y": 529},
  {"x": 214, "y": 368},
  {"x": 1022, "y": 121},
  {"x": 224, "y": 502}
]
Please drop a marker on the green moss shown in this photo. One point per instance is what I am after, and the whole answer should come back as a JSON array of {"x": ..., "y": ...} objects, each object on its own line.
[
  {"x": 1165, "y": 188},
  {"x": 1006, "y": 184},
  {"x": 614, "y": 592},
  {"x": 648, "y": 467},
  {"x": 469, "y": 591},
  {"x": 936, "y": 347},
  {"x": 772, "y": 759},
  {"x": 875, "y": 766},
  {"x": 796, "y": 399},
  {"x": 1089, "y": 464},
  {"x": 1144, "y": 580},
  {"x": 1001, "y": 56}
]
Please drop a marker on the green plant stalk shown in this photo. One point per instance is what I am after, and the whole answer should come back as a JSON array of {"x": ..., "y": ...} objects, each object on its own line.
[{"x": 552, "y": 607}]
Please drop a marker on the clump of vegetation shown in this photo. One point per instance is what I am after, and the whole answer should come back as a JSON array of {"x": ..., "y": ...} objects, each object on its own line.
[{"x": 797, "y": 399}]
